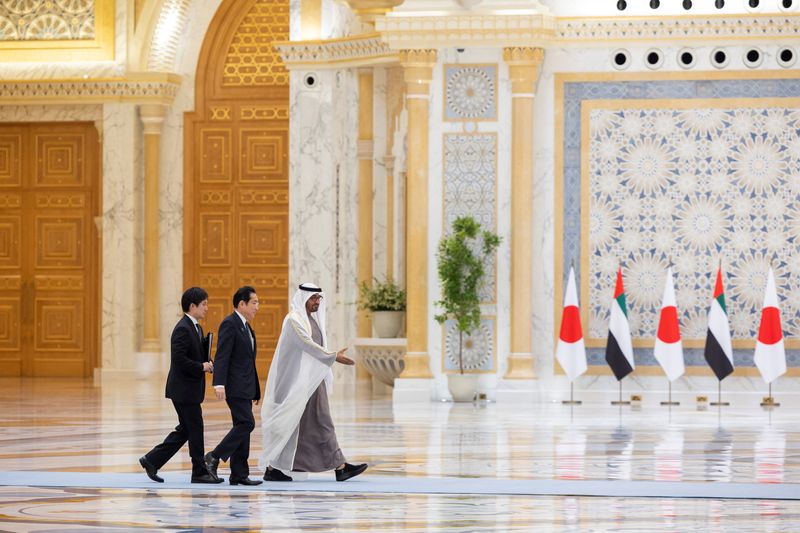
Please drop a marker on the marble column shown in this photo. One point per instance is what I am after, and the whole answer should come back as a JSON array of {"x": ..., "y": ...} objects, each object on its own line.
[
  {"x": 388, "y": 162},
  {"x": 365, "y": 196},
  {"x": 418, "y": 72},
  {"x": 523, "y": 69},
  {"x": 310, "y": 19},
  {"x": 152, "y": 117}
]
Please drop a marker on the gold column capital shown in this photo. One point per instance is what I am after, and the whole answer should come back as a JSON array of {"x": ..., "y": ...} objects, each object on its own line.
[
  {"x": 425, "y": 57},
  {"x": 152, "y": 117},
  {"x": 417, "y": 71},
  {"x": 523, "y": 68},
  {"x": 523, "y": 55},
  {"x": 369, "y": 10}
]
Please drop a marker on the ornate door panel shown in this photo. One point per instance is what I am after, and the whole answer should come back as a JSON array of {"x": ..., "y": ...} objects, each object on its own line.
[
  {"x": 48, "y": 249},
  {"x": 236, "y": 175},
  {"x": 12, "y": 283}
]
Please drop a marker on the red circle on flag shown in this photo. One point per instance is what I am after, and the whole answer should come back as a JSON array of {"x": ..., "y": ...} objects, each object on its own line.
[
  {"x": 571, "y": 325},
  {"x": 668, "y": 329},
  {"x": 769, "y": 332}
]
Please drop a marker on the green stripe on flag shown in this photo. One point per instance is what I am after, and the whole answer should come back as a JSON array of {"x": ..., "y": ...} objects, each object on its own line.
[
  {"x": 721, "y": 300},
  {"x": 621, "y": 303}
]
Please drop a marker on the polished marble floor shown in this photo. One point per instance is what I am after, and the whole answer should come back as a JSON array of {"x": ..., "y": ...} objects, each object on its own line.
[{"x": 65, "y": 426}]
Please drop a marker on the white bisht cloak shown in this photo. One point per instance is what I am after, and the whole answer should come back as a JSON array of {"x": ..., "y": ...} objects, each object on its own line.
[{"x": 297, "y": 369}]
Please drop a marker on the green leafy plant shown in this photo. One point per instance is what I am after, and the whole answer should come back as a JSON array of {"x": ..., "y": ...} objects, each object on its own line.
[
  {"x": 461, "y": 256},
  {"x": 382, "y": 296}
]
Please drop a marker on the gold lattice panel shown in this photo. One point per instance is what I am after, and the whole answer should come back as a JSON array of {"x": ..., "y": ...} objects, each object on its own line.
[{"x": 251, "y": 59}]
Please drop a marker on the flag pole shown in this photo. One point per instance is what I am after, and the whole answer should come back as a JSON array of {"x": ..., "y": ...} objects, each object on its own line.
[
  {"x": 769, "y": 401},
  {"x": 620, "y": 401},
  {"x": 719, "y": 402},
  {"x": 572, "y": 400},
  {"x": 669, "y": 397}
]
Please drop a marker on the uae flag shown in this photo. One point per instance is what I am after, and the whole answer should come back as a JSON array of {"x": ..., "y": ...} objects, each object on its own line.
[
  {"x": 770, "y": 356},
  {"x": 619, "y": 349},
  {"x": 668, "y": 349},
  {"x": 571, "y": 352},
  {"x": 719, "y": 352}
]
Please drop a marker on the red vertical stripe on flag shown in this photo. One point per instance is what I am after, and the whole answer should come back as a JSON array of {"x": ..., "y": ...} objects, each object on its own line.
[
  {"x": 718, "y": 286},
  {"x": 619, "y": 289}
]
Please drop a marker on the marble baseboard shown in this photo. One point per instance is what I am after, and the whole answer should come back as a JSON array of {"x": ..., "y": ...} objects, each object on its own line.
[{"x": 410, "y": 390}]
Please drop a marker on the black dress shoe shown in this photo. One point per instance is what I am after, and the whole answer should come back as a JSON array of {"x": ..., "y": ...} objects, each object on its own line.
[
  {"x": 350, "y": 471},
  {"x": 206, "y": 478},
  {"x": 211, "y": 464},
  {"x": 275, "y": 475},
  {"x": 150, "y": 469},
  {"x": 244, "y": 481}
]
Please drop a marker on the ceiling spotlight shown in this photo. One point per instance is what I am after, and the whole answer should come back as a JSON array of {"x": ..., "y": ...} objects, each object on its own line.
[
  {"x": 654, "y": 4},
  {"x": 621, "y": 5},
  {"x": 719, "y": 4},
  {"x": 687, "y": 4},
  {"x": 753, "y": 3}
]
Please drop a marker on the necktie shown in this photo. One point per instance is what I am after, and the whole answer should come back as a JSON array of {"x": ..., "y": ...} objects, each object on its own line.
[
  {"x": 199, "y": 332},
  {"x": 249, "y": 334}
]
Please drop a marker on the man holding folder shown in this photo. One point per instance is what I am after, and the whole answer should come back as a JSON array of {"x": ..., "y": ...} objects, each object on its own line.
[{"x": 186, "y": 387}]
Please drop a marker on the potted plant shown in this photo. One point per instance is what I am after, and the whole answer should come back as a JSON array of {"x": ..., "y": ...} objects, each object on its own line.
[
  {"x": 461, "y": 258},
  {"x": 386, "y": 301}
]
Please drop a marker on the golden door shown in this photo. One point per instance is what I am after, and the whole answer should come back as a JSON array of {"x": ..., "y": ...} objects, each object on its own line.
[
  {"x": 236, "y": 174},
  {"x": 49, "y": 195}
]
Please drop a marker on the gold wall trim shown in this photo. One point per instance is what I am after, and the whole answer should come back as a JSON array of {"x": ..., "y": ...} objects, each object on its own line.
[
  {"x": 416, "y": 31},
  {"x": 145, "y": 88},
  {"x": 685, "y": 28},
  {"x": 359, "y": 50},
  {"x": 452, "y": 28},
  {"x": 101, "y": 48}
]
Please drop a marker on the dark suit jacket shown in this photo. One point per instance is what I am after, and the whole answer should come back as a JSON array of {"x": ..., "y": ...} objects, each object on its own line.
[
  {"x": 186, "y": 382},
  {"x": 235, "y": 363}
]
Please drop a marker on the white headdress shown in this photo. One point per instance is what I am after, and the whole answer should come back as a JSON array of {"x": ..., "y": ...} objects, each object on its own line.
[
  {"x": 298, "y": 367},
  {"x": 298, "y": 305}
]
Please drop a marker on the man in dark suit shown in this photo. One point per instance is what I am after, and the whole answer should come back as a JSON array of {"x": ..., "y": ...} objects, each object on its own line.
[
  {"x": 236, "y": 382},
  {"x": 186, "y": 387}
]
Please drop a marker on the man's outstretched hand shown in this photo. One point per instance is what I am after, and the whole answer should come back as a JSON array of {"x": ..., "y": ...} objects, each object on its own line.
[{"x": 343, "y": 359}]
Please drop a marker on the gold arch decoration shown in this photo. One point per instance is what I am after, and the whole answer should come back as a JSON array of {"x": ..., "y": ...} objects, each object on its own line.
[
  {"x": 65, "y": 30},
  {"x": 236, "y": 171}
]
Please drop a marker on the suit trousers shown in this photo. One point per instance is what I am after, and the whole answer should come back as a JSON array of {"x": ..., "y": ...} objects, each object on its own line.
[
  {"x": 236, "y": 444},
  {"x": 189, "y": 428}
]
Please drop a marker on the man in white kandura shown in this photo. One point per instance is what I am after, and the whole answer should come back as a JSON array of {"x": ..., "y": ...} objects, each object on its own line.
[{"x": 295, "y": 417}]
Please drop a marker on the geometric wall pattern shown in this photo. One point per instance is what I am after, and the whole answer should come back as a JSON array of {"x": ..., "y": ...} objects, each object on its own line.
[
  {"x": 470, "y": 188},
  {"x": 695, "y": 186},
  {"x": 470, "y": 92},
  {"x": 704, "y": 170},
  {"x": 45, "y": 20},
  {"x": 251, "y": 60}
]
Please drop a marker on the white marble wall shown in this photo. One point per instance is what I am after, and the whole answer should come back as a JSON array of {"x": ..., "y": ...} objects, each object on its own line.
[
  {"x": 323, "y": 204},
  {"x": 379, "y": 203},
  {"x": 121, "y": 255}
]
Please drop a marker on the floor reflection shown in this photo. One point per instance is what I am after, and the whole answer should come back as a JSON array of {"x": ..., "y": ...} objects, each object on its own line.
[{"x": 68, "y": 425}]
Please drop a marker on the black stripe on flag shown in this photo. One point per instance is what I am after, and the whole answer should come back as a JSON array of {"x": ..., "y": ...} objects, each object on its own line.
[
  {"x": 716, "y": 358},
  {"x": 616, "y": 359}
]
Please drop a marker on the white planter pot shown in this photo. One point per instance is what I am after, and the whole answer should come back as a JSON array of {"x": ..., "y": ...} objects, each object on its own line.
[
  {"x": 463, "y": 387},
  {"x": 387, "y": 324}
]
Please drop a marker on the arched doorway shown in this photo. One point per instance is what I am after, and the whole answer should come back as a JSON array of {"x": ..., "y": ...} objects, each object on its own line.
[{"x": 236, "y": 172}]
